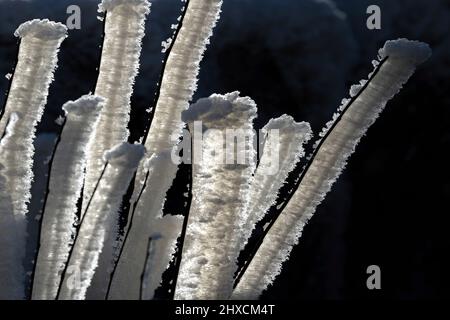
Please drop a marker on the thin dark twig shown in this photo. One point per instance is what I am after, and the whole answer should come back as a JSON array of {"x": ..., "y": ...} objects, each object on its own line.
[
  {"x": 147, "y": 256},
  {"x": 304, "y": 172}
]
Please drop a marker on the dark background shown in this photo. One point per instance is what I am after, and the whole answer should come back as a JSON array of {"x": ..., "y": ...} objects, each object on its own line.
[{"x": 390, "y": 207}]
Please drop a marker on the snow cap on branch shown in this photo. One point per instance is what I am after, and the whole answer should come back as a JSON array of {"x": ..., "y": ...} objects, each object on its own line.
[
  {"x": 125, "y": 154},
  {"x": 287, "y": 124},
  {"x": 108, "y": 5},
  {"x": 415, "y": 51},
  {"x": 85, "y": 104},
  {"x": 224, "y": 110},
  {"x": 42, "y": 29}
]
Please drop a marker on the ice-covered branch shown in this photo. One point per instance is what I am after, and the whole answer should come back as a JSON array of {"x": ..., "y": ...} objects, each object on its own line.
[
  {"x": 179, "y": 81},
  {"x": 124, "y": 31},
  {"x": 37, "y": 60},
  {"x": 126, "y": 283},
  {"x": 91, "y": 252},
  {"x": 283, "y": 148},
  {"x": 66, "y": 181},
  {"x": 221, "y": 184},
  {"x": 397, "y": 62},
  {"x": 178, "y": 84}
]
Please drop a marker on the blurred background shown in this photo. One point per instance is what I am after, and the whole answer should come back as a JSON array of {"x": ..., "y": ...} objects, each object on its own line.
[{"x": 389, "y": 208}]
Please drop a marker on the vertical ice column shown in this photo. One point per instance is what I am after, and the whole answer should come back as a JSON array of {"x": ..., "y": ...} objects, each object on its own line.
[
  {"x": 124, "y": 31},
  {"x": 66, "y": 181},
  {"x": 37, "y": 60},
  {"x": 283, "y": 149},
  {"x": 221, "y": 188}
]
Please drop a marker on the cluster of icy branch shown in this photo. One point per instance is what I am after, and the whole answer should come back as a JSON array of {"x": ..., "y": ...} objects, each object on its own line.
[
  {"x": 81, "y": 254},
  {"x": 178, "y": 84},
  {"x": 398, "y": 60}
]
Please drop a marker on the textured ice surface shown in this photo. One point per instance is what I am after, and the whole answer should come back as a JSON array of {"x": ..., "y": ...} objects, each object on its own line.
[
  {"x": 337, "y": 143},
  {"x": 220, "y": 191},
  {"x": 66, "y": 181},
  {"x": 94, "y": 247},
  {"x": 25, "y": 103}
]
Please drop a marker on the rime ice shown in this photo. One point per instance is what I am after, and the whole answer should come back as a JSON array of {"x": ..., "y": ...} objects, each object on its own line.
[
  {"x": 66, "y": 181},
  {"x": 338, "y": 141},
  {"x": 37, "y": 60}
]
